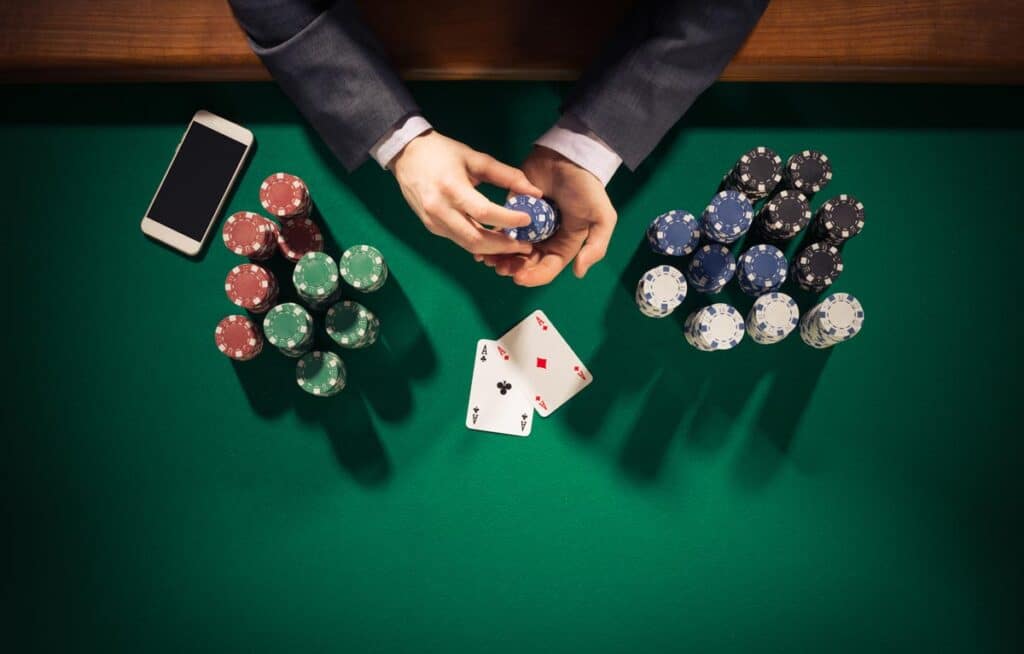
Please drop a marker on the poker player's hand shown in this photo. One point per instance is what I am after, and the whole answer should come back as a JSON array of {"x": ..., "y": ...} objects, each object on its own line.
[
  {"x": 588, "y": 220},
  {"x": 438, "y": 177}
]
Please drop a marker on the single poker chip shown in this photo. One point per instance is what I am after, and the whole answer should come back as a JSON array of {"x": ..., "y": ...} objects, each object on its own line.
[
  {"x": 316, "y": 276},
  {"x": 298, "y": 236},
  {"x": 543, "y": 218},
  {"x": 246, "y": 233},
  {"x": 761, "y": 269},
  {"x": 809, "y": 171},
  {"x": 840, "y": 218},
  {"x": 363, "y": 268},
  {"x": 674, "y": 233},
  {"x": 251, "y": 287},
  {"x": 772, "y": 318},
  {"x": 320, "y": 373},
  {"x": 818, "y": 265},
  {"x": 711, "y": 268},
  {"x": 839, "y": 317},
  {"x": 288, "y": 326},
  {"x": 237, "y": 338},
  {"x": 351, "y": 325},
  {"x": 284, "y": 195},
  {"x": 719, "y": 327},
  {"x": 727, "y": 217},
  {"x": 663, "y": 288},
  {"x": 785, "y": 215}
]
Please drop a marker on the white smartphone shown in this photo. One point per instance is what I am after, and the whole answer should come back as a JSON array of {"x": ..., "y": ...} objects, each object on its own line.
[{"x": 203, "y": 170}]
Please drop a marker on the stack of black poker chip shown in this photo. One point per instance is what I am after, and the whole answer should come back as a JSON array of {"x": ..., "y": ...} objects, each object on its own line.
[
  {"x": 784, "y": 216},
  {"x": 808, "y": 171},
  {"x": 817, "y": 266},
  {"x": 755, "y": 174},
  {"x": 839, "y": 219}
]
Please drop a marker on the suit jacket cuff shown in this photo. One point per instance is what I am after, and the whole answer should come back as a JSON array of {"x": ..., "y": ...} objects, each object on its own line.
[
  {"x": 405, "y": 130},
  {"x": 571, "y": 139}
]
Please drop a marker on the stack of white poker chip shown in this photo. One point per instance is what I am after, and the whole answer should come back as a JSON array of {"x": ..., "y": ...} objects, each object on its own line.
[
  {"x": 773, "y": 317},
  {"x": 660, "y": 291},
  {"x": 838, "y": 318},
  {"x": 715, "y": 327}
]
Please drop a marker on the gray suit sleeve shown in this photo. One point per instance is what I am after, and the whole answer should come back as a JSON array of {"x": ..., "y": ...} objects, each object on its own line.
[
  {"x": 329, "y": 63},
  {"x": 666, "y": 54}
]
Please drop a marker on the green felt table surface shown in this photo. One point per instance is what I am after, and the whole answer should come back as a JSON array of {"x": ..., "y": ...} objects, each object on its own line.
[{"x": 778, "y": 499}]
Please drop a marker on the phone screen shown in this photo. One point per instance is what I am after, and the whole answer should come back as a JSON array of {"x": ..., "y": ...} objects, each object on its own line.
[{"x": 196, "y": 181}]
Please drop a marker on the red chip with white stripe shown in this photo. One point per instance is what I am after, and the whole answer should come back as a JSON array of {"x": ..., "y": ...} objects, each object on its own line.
[
  {"x": 298, "y": 236},
  {"x": 251, "y": 287},
  {"x": 238, "y": 338},
  {"x": 284, "y": 195}
]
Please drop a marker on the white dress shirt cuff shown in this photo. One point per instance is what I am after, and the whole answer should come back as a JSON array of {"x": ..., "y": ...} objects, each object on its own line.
[
  {"x": 571, "y": 139},
  {"x": 405, "y": 130}
]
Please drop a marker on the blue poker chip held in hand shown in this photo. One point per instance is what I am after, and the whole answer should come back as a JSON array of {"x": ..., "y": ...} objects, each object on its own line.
[{"x": 544, "y": 219}]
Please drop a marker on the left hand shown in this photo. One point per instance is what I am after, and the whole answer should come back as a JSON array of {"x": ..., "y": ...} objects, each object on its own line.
[{"x": 588, "y": 220}]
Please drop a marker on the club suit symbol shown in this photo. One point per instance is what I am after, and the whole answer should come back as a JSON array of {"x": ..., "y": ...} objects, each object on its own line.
[
  {"x": 504, "y": 387},
  {"x": 476, "y": 414}
]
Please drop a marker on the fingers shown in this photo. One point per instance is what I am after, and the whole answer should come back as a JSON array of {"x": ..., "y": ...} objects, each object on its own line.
[
  {"x": 596, "y": 246},
  {"x": 473, "y": 203},
  {"x": 541, "y": 273},
  {"x": 477, "y": 240},
  {"x": 489, "y": 169}
]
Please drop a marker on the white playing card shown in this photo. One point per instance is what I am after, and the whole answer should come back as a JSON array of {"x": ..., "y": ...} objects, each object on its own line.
[
  {"x": 552, "y": 371},
  {"x": 498, "y": 398}
]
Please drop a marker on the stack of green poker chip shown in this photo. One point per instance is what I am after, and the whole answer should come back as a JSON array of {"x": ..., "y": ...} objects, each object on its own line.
[
  {"x": 351, "y": 325},
  {"x": 321, "y": 373},
  {"x": 363, "y": 268},
  {"x": 289, "y": 328},
  {"x": 316, "y": 278}
]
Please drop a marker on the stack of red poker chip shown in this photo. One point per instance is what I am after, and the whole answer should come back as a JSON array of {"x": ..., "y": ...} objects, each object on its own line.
[
  {"x": 285, "y": 196},
  {"x": 250, "y": 235},
  {"x": 251, "y": 287},
  {"x": 299, "y": 236},
  {"x": 238, "y": 338}
]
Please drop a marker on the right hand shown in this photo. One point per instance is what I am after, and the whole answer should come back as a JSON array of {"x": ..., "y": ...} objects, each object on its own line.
[{"x": 438, "y": 177}]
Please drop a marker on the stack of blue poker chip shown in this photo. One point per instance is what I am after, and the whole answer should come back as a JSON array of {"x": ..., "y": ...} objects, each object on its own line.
[
  {"x": 660, "y": 291},
  {"x": 715, "y": 327},
  {"x": 772, "y": 318},
  {"x": 761, "y": 269},
  {"x": 543, "y": 219},
  {"x": 711, "y": 268},
  {"x": 675, "y": 233},
  {"x": 727, "y": 217}
]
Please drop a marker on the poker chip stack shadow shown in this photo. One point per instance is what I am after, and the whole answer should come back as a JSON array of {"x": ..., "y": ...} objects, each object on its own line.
[
  {"x": 317, "y": 277},
  {"x": 786, "y": 190}
]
